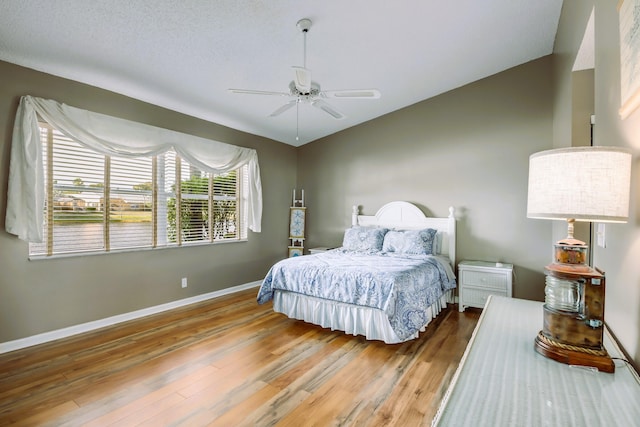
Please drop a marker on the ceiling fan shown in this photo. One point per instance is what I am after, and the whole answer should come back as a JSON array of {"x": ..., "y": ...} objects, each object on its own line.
[{"x": 303, "y": 90}]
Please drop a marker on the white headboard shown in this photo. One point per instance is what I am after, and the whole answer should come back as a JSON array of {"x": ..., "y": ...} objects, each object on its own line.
[{"x": 406, "y": 216}]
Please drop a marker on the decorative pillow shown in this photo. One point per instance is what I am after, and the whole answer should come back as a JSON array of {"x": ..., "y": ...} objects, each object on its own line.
[
  {"x": 419, "y": 242},
  {"x": 393, "y": 241},
  {"x": 410, "y": 242},
  {"x": 364, "y": 239}
]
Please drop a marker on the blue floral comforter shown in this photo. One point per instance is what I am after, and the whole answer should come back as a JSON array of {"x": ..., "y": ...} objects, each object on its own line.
[{"x": 403, "y": 286}]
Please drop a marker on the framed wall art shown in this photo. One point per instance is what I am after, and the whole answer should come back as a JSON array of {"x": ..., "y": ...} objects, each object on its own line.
[
  {"x": 296, "y": 223},
  {"x": 629, "y": 13},
  {"x": 297, "y": 213},
  {"x": 295, "y": 251}
]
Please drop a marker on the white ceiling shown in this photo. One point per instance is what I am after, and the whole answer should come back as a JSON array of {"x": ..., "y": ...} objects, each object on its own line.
[{"x": 185, "y": 54}]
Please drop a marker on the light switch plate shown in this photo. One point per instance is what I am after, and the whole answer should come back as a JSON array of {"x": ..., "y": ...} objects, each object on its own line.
[{"x": 600, "y": 235}]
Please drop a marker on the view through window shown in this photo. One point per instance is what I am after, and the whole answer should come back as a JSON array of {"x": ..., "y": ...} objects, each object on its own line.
[{"x": 98, "y": 203}]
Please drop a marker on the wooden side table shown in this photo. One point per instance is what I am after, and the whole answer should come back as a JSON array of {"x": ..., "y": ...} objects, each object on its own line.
[{"x": 479, "y": 279}]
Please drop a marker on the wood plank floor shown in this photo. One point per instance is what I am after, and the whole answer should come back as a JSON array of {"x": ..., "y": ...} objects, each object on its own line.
[{"x": 231, "y": 362}]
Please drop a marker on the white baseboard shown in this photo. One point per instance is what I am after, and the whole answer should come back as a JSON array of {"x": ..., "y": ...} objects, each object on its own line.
[{"x": 97, "y": 324}]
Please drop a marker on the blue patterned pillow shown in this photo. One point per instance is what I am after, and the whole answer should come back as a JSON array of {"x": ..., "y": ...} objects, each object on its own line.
[
  {"x": 410, "y": 242},
  {"x": 393, "y": 241},
  {"x": 364, "y": 239}
]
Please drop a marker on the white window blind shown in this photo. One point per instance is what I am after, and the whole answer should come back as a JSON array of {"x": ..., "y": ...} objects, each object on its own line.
[
  {"x": 130, "y": 198},
  {"x": 226, "y": 214},
  {"x": 98, "y": 203}
]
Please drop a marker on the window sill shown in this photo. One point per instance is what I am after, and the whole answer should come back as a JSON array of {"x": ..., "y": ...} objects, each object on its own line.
[{"x": 119, "y": 251}]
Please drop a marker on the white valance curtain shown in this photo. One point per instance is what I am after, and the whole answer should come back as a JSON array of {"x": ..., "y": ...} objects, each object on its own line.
[{"x": 110, "y": 136}]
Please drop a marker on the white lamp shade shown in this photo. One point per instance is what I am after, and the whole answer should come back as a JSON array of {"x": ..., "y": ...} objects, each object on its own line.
[{"x": 581, "y": 183}]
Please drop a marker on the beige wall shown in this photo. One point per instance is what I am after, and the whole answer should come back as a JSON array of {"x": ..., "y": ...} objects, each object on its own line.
[
  {"x": 468, "y": 148},
  {"x": 45, "y": 295},
  {"x": 582, "y": 107},
  {"x": 620, "y": 258}
]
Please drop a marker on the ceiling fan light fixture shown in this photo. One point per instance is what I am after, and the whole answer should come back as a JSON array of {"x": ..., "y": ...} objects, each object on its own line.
[{"x": 302, "y": 79}]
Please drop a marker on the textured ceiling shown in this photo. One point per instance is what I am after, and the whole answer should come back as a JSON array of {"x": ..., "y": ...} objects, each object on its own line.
[{"x": 185, "y": 54}]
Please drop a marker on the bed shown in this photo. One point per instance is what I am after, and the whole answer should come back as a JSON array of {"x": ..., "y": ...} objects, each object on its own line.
[{"x": 392, "y": 275}]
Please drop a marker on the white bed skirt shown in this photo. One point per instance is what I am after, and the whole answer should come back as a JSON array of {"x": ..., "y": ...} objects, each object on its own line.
[{"x": 356, "y": 320}]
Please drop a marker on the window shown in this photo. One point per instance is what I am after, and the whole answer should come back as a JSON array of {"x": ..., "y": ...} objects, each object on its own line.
[{"x": 98, "y": 203}]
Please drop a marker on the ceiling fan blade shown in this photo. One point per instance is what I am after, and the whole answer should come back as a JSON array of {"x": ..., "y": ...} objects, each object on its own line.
[
  {"x": 258, "y": 92},
  {"x": 302, "y": 79},
  {"x": 284, "y": 108},
  {"x": 320, "y": 104},
  {"x": 352, "y": 94}
]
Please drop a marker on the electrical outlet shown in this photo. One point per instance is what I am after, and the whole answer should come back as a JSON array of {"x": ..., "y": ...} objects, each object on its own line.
[{"x": 184, "y": 282}]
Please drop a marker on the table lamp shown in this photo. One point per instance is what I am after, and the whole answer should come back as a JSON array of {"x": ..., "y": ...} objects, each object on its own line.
[{"x": 577, "y": 184}]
